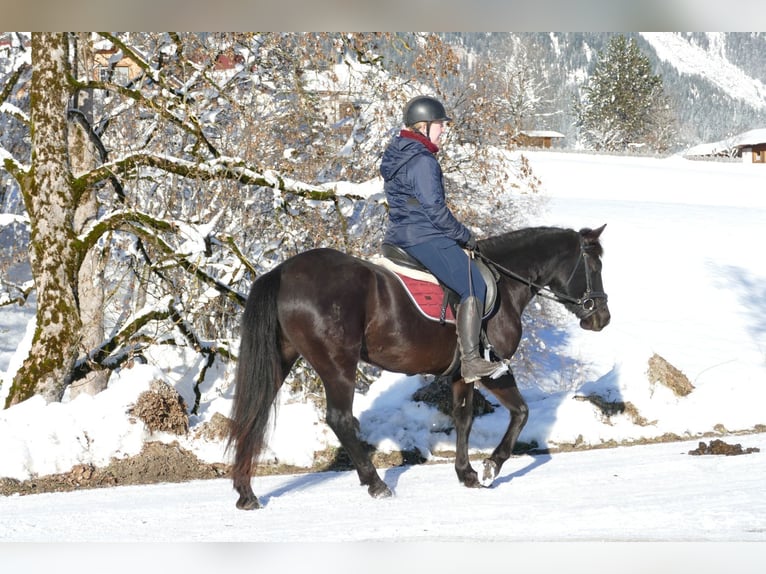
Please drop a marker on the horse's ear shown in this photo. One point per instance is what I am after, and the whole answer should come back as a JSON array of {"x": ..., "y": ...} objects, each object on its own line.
[{"x": 592, "y": 234}]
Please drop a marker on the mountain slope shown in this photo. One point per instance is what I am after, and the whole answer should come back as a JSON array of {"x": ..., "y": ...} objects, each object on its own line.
[
  {"x": 710, "y": 63},
  {"x": 716, "y": 81}
]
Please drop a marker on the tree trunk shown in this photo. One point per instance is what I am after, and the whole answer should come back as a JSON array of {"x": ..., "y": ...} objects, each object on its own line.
[
  {"x": 91, "y": 277},
  {"x": 51, "y": 201},
  {"x": 82, "y": 155}
]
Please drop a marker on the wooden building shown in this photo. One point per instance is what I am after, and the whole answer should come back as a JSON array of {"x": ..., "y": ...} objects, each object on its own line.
[
  {"x": 749, "y": 146},
  {"x": 537, "y": 138}
]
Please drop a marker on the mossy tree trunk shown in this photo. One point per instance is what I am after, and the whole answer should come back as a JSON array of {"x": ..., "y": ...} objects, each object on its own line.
[{"x": 51, "y": 202}]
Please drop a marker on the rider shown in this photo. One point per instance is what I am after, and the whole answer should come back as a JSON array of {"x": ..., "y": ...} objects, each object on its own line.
[{"x": 421, "y": 223}]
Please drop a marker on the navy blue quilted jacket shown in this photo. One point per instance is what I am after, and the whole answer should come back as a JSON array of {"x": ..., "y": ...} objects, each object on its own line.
[{"x": 415, "y": 192}]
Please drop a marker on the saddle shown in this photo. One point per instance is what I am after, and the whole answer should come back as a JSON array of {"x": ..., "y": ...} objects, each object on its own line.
[{"x": 433, "y": 298}]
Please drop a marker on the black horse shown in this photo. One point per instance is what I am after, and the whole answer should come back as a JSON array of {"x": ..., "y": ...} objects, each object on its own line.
[{"x": 335, "y": 310}]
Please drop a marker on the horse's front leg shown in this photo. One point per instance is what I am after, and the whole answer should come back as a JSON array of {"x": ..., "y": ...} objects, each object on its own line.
[
  {"x": 506, "y": 391},
  {"x": 462, "y": 416}
]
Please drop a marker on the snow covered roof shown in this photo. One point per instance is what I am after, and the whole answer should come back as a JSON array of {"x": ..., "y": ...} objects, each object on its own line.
[
  {"x": 541, "y": 134},
  {"x": 749, "y": 138},
  {"x": 729, "y": 145}
]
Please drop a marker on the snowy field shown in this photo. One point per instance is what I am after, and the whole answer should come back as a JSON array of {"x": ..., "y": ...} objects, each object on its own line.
[
  {"x": 626, "y": 494},
  {"x": 685, "y": 272}
]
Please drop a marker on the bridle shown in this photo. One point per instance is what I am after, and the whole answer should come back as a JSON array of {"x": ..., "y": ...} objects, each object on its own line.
[{"x": 587, "y": 302}]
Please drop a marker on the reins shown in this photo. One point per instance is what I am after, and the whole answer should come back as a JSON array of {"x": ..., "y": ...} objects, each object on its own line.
[{"x": 587, "y": 301}]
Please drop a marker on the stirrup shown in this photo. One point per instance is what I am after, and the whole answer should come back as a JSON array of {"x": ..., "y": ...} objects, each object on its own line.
[
  {"x": 502, "y": 366},
  {"x": 500, "y": 369}
]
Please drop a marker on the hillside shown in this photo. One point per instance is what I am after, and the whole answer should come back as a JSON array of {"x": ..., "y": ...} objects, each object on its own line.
[
  {"x": 716, "y": 81},
  {"x": 711, "y": 62}
]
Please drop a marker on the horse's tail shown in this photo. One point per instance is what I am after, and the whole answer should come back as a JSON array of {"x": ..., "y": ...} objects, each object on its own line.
[{"x": 258, "y": 375}]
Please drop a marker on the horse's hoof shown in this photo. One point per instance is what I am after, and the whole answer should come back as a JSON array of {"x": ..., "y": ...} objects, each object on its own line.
[
  {"x": 380, "y": 491},
  {"x": 489, "y": 473},
  {"x": 248, "y": 503},
  {"x": 472, "y": 482},
  {"x": 468, "y": 478}
]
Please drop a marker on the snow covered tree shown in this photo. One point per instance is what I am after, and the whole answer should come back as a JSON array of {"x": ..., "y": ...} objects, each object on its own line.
[
  {"x": 505, "y": 93},
  {"x": 148, "y": 206},
  {"x": 623, "y": 104},
  {"x": 161, "y": 173}
]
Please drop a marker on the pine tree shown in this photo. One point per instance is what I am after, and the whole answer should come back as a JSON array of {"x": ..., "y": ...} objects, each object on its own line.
[{"x": 624, "y": 104}]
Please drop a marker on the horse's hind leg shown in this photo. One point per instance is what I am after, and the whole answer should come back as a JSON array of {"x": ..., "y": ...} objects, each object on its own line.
[
  {"x": 247, "y": 499},
  {"x": 340, "y": 395},
  {"x": 506, "y": 391},
  {"x": 246, "y": 453}
]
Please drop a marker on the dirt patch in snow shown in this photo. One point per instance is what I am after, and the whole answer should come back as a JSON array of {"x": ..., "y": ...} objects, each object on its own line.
[
  {"x": 157, "y": 462},
  {"x": 717, "y": 446},
  {"x": 661, "y": 372}
]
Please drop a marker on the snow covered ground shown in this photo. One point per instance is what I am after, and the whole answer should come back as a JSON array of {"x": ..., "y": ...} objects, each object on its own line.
[
  {"x": 627, "y": 494},
  {"x": 637, "y": 509},
  {"x": 685, "y": 273}
]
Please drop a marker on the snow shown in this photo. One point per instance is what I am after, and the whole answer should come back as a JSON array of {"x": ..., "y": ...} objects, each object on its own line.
[
  {"x": 685, "y": 273},
  {"x": 751, "y": 137},
  {"x": 542, "y": 133},
  {"x": 9, "y": 218}
]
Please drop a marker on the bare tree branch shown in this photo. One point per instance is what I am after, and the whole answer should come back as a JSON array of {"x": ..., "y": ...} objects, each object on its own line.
[
  {"x": 191, "y": 124},
  {"x": 148, "y": 228},
  {"x": 102, "y": 357},
  {"x": 219, "y": 168}
]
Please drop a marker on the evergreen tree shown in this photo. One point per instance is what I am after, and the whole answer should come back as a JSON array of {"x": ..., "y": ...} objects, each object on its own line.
[{"x": 624, "y": 104}]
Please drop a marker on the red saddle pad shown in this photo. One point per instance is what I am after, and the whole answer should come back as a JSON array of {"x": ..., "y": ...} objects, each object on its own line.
[{"x": 428, "y": 297}]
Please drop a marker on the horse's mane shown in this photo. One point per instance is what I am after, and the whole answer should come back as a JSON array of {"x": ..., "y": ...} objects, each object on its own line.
[
  {"x": 520, "y": 239},
  {"x": 530, "y": 237}
]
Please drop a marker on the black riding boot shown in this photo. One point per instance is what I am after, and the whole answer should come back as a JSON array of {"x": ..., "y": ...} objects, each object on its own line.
[{"x": 473, "y": 367}]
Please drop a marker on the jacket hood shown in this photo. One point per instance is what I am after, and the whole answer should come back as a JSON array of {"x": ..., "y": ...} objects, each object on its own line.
[{"x": 398, "y": 153}]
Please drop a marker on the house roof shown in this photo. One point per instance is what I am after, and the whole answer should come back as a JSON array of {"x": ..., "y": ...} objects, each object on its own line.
[
  {"x": 729, "y": 145},
  {"x": 750, "y": 138},
  {"x": 541, "y": 134}
]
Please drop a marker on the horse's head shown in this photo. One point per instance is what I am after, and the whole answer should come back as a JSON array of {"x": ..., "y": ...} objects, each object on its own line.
[{"x": 584, "y": 287}]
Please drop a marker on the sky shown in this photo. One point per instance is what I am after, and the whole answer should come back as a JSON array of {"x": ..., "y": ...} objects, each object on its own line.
[{"x": 685, "y": 273}]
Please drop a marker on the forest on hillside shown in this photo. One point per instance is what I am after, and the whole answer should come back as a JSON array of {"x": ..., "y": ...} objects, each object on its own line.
[{"x": 564, "y": 61}]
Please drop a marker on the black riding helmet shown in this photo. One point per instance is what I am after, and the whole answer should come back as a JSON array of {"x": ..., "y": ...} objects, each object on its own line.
[{"x": 424, "y": 109}]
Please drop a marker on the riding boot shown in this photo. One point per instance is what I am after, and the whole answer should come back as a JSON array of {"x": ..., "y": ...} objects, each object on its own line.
[{"x": 473, "y": 367}]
